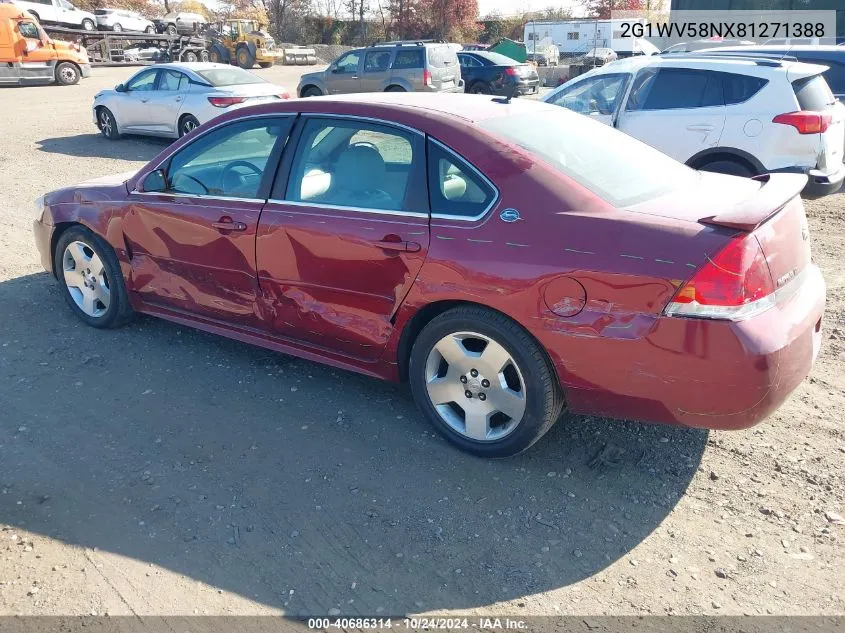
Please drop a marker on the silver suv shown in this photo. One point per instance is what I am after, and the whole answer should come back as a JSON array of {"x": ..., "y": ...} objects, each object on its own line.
[{"x": 412, "y": 66}]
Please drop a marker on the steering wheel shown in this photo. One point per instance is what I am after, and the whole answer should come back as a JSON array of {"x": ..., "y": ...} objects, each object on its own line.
[
  {"x": 364, "y": 144},
  {"x": 231, "y": 167}
]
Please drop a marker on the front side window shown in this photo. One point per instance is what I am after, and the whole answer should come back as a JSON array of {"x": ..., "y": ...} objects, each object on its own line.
[
  {"x": 348, "y": 64},
  {"x": 143, "y": 82},
  {"x": 377, "y": 61},
  {"x": 409, "y": 59},
  {"x": 172, "y": 80},
  {"x": 676, "y": 88},
  {"x": 454, "y": 187},
  {"x": 28, "y": 30},
  {"x": 352, "y": 164},
  {"x": 599, "y": 94},
  {"x": 228, "y": 162},
  {"x": 468, "y": 61}
]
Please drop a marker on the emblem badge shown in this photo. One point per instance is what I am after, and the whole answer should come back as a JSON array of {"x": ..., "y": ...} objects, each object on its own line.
[{"x": 509, "y": 215}]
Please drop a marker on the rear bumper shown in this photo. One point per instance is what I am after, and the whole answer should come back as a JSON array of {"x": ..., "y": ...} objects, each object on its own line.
[
  {"x": 819, "y": 183},
  {"x": 696, "y": 372},
  {"x": 458, "y": 87}
]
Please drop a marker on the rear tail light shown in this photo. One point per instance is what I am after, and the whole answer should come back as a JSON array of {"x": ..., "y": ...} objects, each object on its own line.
[
  {"x": 510, "y": 70},
  {"x": 427, "y": 77},
  {"x": 225, "y": 102},
  {"x": 806, "y": 121},
  {"x": 735, "y": 284}
]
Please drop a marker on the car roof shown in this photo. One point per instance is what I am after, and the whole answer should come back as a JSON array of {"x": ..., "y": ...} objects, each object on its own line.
[
  {"x": 693, "y": 60},
  {"x": 777, "y": 48},
  {"x": 472, "y": 108}
]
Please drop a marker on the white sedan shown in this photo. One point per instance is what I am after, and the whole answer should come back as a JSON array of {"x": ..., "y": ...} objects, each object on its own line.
[
  {"x": 118, "y": 20},
  {"x": 172, "y": 99}
]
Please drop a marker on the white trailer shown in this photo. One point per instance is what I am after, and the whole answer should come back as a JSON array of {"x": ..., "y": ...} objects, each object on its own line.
[{"x": 577, "y": 37}]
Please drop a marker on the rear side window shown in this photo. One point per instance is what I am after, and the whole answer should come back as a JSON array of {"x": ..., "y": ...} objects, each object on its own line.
[
  {"x": 739, "y": 88},
  {"x": 676, "y": 88},
  {"x": 409, "y": 59},
  {"x": 442, "y": 56},
  {"x": 813, "y": 93},
  {"x": 456, "y": 189}
]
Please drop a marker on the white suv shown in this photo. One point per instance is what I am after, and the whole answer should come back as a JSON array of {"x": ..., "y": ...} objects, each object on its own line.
[{"x": 740, "y": 116}]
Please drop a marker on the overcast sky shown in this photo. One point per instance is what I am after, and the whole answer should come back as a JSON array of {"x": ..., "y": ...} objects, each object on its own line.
[{"x": 510, "y": 7}]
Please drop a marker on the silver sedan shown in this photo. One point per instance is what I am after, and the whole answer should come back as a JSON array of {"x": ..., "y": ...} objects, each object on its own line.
[{"x": 172, "y": 99}]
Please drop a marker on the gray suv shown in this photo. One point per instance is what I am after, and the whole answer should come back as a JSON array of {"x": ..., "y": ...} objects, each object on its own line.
[{"x": 413, "y": 66}]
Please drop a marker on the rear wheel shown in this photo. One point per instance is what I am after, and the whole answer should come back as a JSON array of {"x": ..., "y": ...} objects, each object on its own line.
[
  {"x": 480, "y": 88},
  {"x": 484, "y": 382},
  {"x": 190, "y": 57},
  {"x": 311, "y": 91},
  {"x": 730, "y": 167},
  {"x": 245, "y": 58},
  {"x": 88, "y": 24},
  {"x": 203, "y": 55},
  {"x": 171, "y": 29},
  {"x": 117, "y": 28},
  {"x": 90, "y": 275},
  {"x": 187, "y": 124},
  {"x": 396, "y": 89},
  {"x": 67, "y": 74},
  {"x": 107, "y": 123},
  {"x": 215, "y": 56}
]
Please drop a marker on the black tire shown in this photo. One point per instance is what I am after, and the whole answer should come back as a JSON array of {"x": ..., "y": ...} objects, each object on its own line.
[
  {"x": 107, "y": 123},
  {"x": 395, "y": 89},
  {"x": 117, "y": 28},
  {"x": 171, "y": 29},
  {"x": 215, "y": 56},
  {"x": 729, "y": 167},
  {"x": 187, "y": 124},
  {"x": 204, "y": 55},
  {"x": 149, "y": 29},
  {"x": 190, "y": 57},
  {"x": 265, "y": 64},
  {"x": 119, "y": 311},
  {"x": 244, "y": 58},
  {"x": 311, "y": 91},
  {"x": 544, "y": 399},
  {"x": 88, "y": 25},
  {"x": 480, "y": 88},
  {"x": 67, "y": 74}
]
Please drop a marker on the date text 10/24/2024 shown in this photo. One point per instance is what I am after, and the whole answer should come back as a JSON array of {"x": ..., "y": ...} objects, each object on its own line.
[{"x": 418, "y": 624}]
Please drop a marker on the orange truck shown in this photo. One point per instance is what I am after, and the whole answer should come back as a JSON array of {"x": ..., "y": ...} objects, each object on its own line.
[{"x": 28, "y": 56}]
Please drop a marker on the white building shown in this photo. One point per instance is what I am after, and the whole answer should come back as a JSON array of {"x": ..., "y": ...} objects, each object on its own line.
[{"x": 576, "y": 37}]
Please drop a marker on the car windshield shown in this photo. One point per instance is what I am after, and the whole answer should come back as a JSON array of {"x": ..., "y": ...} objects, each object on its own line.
[
  {"x": 229, "y": 77},
  {"x": 618, "y": 168}
]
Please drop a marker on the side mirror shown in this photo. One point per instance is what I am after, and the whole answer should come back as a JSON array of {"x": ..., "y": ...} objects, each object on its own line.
[
  {"x": 334, "y": 70},
  {"x": 120, "y": 88},
  {"x": 153, "y": 182}
]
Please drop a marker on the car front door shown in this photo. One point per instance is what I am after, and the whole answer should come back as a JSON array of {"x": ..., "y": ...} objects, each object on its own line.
[
  {"x": 166, "y": 101},
  {"x": 598, "y": 96},
  {"x": 343, "y": 77},
  {"x": 133, "y": 105},
  {"x": 192, "y": 235},
  {"x": 345, "y": 234},
  {"x": 678, "y": 111},
  {"x": 375, "y": 72}
]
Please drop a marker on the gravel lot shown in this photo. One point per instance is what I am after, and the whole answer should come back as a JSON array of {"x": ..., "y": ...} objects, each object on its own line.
[{"x": 159, "y": 470}]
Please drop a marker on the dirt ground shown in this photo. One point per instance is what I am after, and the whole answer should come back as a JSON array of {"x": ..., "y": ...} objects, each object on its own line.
[{"x": 159, "y": 470}]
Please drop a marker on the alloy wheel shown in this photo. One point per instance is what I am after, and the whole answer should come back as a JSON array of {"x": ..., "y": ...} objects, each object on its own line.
[
  {"x": 475, "y": 386},
  {"x": 86, "y": 279},
  {"x": 106, "y": 124}
]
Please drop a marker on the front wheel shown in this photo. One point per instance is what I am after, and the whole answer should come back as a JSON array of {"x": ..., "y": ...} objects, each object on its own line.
[
  {"x": 107, "y": 124},
  {"x": 90, "y": 275},
  {"x": 171, "y": 29},
  {"x": 311, "y": 91},
  {"x": 245, "y": 58},
  {"x": 67, "y": 74},
  {"x": 117, "y": 28},
  {"x": 265, "y": 64},
  {"x": 484, "y": 382}
]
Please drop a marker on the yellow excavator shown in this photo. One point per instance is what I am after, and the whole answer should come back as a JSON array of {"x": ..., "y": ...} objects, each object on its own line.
[{"x": 242, "y": 42}]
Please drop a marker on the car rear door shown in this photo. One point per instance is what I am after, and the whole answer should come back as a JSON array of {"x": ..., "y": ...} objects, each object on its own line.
[
  {"x": 376, "y": 71},
  {"x": 193, "y": 238},
  {"x": 679, "y": 111},
  {"x": 345, "y": 233}
]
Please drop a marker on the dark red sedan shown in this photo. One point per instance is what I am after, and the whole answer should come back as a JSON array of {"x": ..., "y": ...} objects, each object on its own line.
[{"x": 509, "y": 260}]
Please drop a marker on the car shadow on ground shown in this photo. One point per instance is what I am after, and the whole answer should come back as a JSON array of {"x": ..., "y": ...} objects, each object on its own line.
[
  {"x": 142, "y": 148},
  {"x": 297, "y": 485}
]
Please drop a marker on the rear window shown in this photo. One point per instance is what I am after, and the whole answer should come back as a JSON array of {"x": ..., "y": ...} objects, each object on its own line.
[
  {"x": 409, "y": 59},
  {"x": 442, "y": 56},
  {"x": 616, "y": 167},
  {"x": 739, "y": 88},
  {"x": 229, "y": 77},
  {"x": 813, "y": 93}
]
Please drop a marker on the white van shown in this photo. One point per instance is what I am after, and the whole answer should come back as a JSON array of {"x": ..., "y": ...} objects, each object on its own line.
[{"x": 59, "y": 12}]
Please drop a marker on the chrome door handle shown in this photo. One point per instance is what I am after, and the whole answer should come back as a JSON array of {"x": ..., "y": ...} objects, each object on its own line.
[{"x": 229, "y": 226}]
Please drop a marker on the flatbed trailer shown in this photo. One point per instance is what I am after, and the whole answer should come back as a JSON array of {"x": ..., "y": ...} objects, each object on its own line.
[{"x": 107, "y": 48}]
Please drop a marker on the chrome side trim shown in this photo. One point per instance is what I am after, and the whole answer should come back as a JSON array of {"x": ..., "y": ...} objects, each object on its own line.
[
  {"x": 369, "y": 119},
  {"x": 493, "y": 202},
  {"x": 337, "y": 207},
  {"x": 201, "y": 196}
]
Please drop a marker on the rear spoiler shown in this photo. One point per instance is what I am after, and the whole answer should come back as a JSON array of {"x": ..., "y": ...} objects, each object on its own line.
[{"x": 775, "y": 192}]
